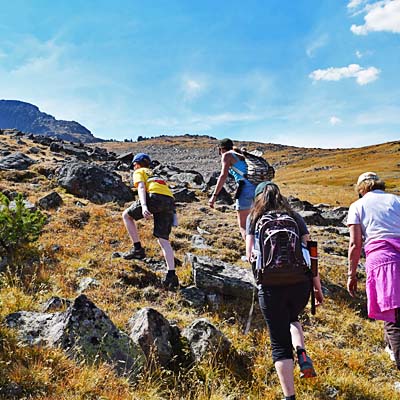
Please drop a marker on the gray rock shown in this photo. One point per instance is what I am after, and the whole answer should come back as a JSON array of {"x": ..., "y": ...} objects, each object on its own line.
[
  {"x": 206, "y": 340},
  {"x": 87, "y": 283},
  {"x": 193, "y": 296},
  {"x": 94, "y": 183},
  {"x": 335, "y": 216},
  {"x": 18, "y": 161},
  {"x": 313, "y": 218},
  {"x": 55, "y": 303},
  {"x": 184, "y": 195},
  {"x": 193, "y": 179},
  {"x": 51, "y": 200},
  {"x": 84, "y": 332},
  {"x": 27, "y": 204},
  {"x": 216, "y": 276},
  {"x": 198, "y": 242},
  {"x": 153, "y": 333}
]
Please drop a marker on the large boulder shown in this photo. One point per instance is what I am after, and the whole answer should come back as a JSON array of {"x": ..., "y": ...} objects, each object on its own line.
[
  {"x": 18, "y": 161},
  {"x": 94, "y": 183},
  {"x": 84, "y": 331},
  {"x": 153, "y": 333},
  {"x": 51, "y": 200},
  {"x": 216, "y": 276},
  {"x": 205, "y": 340}
]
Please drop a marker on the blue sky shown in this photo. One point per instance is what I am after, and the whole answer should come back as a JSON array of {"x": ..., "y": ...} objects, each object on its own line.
[{"x": 312, "y": 73}]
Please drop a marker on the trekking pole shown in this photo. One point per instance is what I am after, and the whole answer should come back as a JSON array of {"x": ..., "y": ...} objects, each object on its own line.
[
  {"x": 312, "y": 300},
  {"x": 313, "y": 249},
  {"x": 250, "y": 317}
]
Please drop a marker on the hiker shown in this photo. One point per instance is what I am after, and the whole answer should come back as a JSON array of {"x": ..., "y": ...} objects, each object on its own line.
[
  {"x": 375, "y": 220},
  {"x": 280, "y": 302},
  {"x": 231, "y": 159},
  {"x": 155, "y": 201}
]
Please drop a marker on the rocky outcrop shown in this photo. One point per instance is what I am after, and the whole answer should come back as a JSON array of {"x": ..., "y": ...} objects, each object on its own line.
[
  {"x": 84, "y": 331},
  {"x": 205, "y": 339},
  {"x": 94, "y": 183},
  {"x": 153, "y": 333},
  {"x": 28, "y": 118},
  {"x": 216, "y": 276},
  {"x": 50, "y": 201},
  {"x": 18, "y": 161}
]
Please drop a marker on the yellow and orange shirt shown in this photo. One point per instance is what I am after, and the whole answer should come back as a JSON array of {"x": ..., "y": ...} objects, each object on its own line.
[{"x": 153, "y": 183}]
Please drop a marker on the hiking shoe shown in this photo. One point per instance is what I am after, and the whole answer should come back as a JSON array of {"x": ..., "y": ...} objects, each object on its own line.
[
  {"x": 390, "y": 352},
  {"x": 133, "y": 253},
  {"x": 306, "y": 366},
  {"x": 170, "y": 282}
]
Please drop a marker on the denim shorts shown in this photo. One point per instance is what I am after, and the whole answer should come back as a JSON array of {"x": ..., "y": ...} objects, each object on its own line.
[
  {"x": 246, "y": 197},
  {"x": 162, "y": 207}
]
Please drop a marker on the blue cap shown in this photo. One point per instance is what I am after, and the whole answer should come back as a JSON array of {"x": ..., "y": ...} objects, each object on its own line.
[
  {"x": 141, "y": 157},
  {"x": 261, "y": 186}
]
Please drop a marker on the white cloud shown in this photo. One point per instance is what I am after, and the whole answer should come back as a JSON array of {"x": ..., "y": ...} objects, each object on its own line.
[
  {"x": 362, "y": 75},
  {"x": 334, "y": 120},
  {"x": 359, "y": 54},
  {"x": 355, "y": 3},
  {"x": 192, "y": 88},
  {"x": 316, "y": 44},
  {"x": 382, "y": 16}
]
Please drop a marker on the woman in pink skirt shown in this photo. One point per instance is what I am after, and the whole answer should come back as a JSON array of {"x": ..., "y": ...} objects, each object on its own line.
[{"x": 375, "y": 220}]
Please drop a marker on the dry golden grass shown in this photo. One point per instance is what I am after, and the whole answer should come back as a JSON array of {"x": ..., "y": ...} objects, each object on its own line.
[{"x": 347, "y": 347}]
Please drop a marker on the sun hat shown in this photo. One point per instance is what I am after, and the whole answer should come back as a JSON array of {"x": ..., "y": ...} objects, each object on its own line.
[
  {"x": 261, "y": 186},
  {"x": 367, "y": 175},
  {"x": 226, "y": 144},
  {"x": 141, "y": 157}
]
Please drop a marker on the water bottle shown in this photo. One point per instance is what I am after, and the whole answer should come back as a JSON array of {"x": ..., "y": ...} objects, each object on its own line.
[
  {"x": 313, "y": 249},
  {"x": 175, "y": 219}
]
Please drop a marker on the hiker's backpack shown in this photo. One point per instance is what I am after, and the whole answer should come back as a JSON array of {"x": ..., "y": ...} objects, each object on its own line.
[
  {"x": 258, "y": 168},
  {"x": 278, "y": 248}
]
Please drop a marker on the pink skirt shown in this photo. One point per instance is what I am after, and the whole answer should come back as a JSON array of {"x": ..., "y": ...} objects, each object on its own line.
[{"x": 383, "y": 278}]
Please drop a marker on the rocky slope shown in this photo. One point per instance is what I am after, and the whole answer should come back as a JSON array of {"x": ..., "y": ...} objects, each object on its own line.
[{"x": 28, "y": 118}]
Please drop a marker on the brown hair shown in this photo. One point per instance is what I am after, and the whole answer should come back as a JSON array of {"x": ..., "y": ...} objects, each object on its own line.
[
  {"x": 368, "y": 185},
  {"x": 270, "y": 199},
  {"x": 145, "y": 163}
]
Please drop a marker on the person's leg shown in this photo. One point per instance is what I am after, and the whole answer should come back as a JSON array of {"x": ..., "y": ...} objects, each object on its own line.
[
  {"x": 301, "y": 294},
  {"x": 241, "y": 218},
  {"x": 162, "y": 228},
  {"x": 284, "y": 369},
  {"x": 275, "y": 312},
  {"x": 392, "y": 332},
  {"x": 168, "y": 253},
  {"x": 130, "y": 226},
  {"x": 129, "y": 216},
  {"x": 296, "y": 331},
  {"x": 243, "y": 206}
]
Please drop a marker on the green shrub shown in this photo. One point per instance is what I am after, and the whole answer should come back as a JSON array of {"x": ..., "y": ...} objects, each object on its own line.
[{"x": 19, "y": 226}]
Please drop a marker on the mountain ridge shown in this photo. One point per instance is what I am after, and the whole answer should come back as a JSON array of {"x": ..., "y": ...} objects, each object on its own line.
[{"x": 27, "y": 117}]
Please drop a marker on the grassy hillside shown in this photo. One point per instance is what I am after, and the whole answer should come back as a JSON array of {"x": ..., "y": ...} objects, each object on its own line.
[{"x": 347, "y": 347}]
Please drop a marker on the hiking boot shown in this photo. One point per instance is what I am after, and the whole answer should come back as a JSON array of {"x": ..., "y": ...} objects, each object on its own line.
[
  {"x": 390, "y": 352},
  {"x": 170, "y": 282},
  {"x": 137, "y": 254},
  {"x": 306, "y": 366}
]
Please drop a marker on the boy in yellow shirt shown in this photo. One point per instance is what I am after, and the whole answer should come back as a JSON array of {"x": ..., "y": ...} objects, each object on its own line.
[{"x": 155, "y": 200}]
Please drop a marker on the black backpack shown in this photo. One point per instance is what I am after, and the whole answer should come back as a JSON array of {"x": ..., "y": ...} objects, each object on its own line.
[
  {"x": 258, "y": 168},
  {"x": 279, "y": 254}
]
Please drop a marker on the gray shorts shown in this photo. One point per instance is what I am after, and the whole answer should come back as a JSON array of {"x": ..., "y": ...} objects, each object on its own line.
[{"x": 162, "y": 207}]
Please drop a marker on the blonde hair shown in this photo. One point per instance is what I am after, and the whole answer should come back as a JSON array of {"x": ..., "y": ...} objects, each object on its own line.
[{"x": 368, "y": 185}]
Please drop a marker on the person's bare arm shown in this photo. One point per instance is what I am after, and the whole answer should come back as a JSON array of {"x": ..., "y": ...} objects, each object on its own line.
[
  {"x": 141, "y": 187},
  {"x": 355, "y": 246},
  {"x": 225, "y": 164},
  {"x": 249, "y": 246}
]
